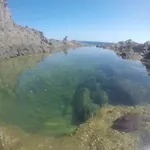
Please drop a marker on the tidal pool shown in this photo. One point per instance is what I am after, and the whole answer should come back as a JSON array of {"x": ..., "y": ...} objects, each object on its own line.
[{"x": 51, "y": 95}]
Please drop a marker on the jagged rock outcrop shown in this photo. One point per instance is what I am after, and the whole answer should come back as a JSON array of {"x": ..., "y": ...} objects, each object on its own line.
[
  {"x": 16, "y": 40},
  {"x": 129, "y": 49}
]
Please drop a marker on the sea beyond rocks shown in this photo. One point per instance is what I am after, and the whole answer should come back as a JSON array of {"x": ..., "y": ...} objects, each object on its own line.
[{"x": 17, "y": 40}]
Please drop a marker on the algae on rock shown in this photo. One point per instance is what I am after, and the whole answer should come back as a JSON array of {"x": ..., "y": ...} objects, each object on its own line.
[
  {"x": 95, "y": 134},
  {"x": 82, "y": 105},
  {"x": 88, "y": 98}
]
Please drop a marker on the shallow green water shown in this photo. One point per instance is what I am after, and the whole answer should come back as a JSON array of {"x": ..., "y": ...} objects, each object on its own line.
[{"x": 46, "y": 94}]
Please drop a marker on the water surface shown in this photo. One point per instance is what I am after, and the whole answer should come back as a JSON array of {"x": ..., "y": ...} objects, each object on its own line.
[{"x": 42, "y": 94}]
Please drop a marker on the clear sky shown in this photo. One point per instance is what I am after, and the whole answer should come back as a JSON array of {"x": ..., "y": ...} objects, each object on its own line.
[{"x": 96, "y": 20}]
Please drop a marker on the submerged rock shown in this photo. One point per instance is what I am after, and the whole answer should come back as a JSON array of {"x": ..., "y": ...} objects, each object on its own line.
[
  {"x": 83, "y": 108},
  {"x": 127, "y": 123},
  {"x": 88, "y": 97},
  {"x": 95, "y": 134}
]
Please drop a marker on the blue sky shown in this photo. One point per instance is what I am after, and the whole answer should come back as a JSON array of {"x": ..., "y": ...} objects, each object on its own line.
[{"x": 96, "y": 20}]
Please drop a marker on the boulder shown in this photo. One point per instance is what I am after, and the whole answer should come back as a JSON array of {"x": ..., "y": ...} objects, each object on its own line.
[
  {"x": 127, "y": 123},
  {"x": 147, "y": 45}
]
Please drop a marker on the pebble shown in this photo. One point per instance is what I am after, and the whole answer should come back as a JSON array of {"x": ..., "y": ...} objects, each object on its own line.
[{"x": 50, "y": 147}]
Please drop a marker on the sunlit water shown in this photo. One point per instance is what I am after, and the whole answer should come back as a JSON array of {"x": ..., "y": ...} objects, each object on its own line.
[{"x": 36, "y": 92}]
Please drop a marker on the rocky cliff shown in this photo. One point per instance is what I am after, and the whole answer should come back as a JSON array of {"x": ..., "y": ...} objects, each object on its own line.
[{"x": 16, "y": 40}]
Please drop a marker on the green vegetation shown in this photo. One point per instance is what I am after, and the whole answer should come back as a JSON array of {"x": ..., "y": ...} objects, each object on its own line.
[
  {"x": 83, "y": 107},
  {"x": 89, "y": 96}
]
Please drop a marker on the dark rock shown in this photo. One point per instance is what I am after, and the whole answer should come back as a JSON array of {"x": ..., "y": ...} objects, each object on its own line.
[
  {"x": 127, "y": 123},
  {"x": 147, "y": 45},
  {"x": 99, "y": 46},
  {"x": 123, "y": 55},
  {"x": 109, "y": 112},
  {"x": 65, "y": 39},
  {"x": 129, "y": 49},
  {"x": 147, "y": 55},
  {"x": 146, "y": 63}
]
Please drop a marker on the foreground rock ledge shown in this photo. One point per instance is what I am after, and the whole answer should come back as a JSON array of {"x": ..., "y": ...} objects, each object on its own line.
[{"x": 96, "y": 134}]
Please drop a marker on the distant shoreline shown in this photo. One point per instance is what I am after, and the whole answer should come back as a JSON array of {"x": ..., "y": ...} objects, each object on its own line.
[{"x": 131, "y": 50}]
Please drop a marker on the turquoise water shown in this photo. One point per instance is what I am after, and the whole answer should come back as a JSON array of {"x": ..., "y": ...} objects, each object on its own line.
[
  {"x": 51, "y": 95},
  {"x": 95, "y": 43}
]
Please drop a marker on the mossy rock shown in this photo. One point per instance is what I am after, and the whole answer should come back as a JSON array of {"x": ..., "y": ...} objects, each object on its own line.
[
  {"x": 95, "y": 134},
  {"x": 83, "y": 108}
]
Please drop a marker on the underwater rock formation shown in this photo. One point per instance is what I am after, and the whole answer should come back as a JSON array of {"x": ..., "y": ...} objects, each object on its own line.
[
  {"x": 83, "y": 108},
  {"x": 88, "y": 97},
  {"x": 127, "y": 123}
]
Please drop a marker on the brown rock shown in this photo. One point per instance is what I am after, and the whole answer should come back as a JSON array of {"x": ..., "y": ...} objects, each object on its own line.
[{"x": 127, "y": 123}]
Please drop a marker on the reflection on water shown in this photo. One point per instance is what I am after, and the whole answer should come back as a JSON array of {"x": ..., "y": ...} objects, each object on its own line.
[{"x": 52, "y": 96}]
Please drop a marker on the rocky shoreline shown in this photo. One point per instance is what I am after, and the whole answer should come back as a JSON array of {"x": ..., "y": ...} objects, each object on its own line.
[
  {"x": 113, "y": 128},
  {"x": 131, "y": 50},
  {"x": 16, "y": 40}
]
